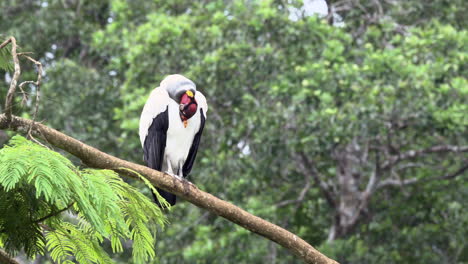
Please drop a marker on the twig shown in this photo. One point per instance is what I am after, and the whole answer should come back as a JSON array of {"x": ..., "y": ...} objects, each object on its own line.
[
  {"x": 452, "y": 175},
  {"x": 25, "y": 94},
  {"x": 38, "y": 90},
  {"x": 298, "y": 201},
  {"x": 416, "y": 153},
  {"x": 53, "y": 214},
  {"x": 301, "y": 196},
  {"x": 5, "y": 42},
  {"x": 24, "y": 53},
  {"x": 14, "y": 80},
  {"x": 448, "y": 176},
  {"x": 324, "y": 188}
]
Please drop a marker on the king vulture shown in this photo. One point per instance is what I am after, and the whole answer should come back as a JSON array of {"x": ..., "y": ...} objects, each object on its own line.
[{"x": 171, "y": 126}]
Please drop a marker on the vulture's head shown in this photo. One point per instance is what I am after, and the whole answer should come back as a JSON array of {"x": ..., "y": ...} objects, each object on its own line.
[
  {"x": 182, "y": 90},
  {"x": 188, "y": 105}
]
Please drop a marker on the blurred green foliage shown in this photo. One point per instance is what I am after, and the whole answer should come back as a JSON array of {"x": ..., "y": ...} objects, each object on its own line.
[{"x": 392, "y": 77}]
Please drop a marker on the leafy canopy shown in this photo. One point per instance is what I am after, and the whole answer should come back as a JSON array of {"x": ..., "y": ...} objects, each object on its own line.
[{"x": 38, "y": 184}]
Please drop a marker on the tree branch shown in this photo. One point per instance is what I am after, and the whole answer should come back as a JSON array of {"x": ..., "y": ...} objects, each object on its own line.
[
  {"x": 97, "y": 159},
  {"x": 4, "y": 43},
  {"x": 297, "y": 202},
  {"x": 14, "y": 80},
  {"x": 301, "y": 196},
  {"x": 448, "y": 176},
  {"x": 53, "y": 214},
  {"x": 374, "y": 178},
  {"x": 329, "y": 12},
  {"x": 416, "y": 153},
  {"x": 6, "y": 258},
  {"x": 37, "y": 83},
  {"x": 327, "y": 193}
]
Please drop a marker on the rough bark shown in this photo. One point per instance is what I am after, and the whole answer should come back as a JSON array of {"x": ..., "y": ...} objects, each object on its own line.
[
  {"x": 97, "y": 159},
  {"x": 349, "y": 207}
]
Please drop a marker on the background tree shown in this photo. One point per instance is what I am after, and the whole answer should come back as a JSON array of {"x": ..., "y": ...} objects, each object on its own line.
[{"x": 357, "y": 130}]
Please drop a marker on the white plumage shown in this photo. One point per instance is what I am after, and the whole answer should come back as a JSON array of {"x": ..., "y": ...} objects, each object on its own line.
[
  {"x": 156, "y": 104},
  {"x": 179, "y": 138},
  {"x": 170, "y": 145}
]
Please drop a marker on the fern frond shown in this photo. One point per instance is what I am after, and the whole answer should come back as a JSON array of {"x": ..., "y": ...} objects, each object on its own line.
[
  {"x": 6, "y": 61},
  {"x": 104, "y": 198},
  {"x": 59, "y": 246},
  {"x": 18, "y": 208},
  {"x": 143, "y": 224},
  {"x": 37, "y": 184},
  {"x": 12, "y": 167},
  {"x": 71, "y": 240},
  {"x": 148, "y": 184}
]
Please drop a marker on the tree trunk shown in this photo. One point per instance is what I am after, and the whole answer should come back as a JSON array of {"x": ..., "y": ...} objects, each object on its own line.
[{"x": 352, "y": 202}]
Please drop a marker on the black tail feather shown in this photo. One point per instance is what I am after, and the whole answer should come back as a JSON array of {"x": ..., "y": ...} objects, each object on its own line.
[{"x": 169, "y": 197}]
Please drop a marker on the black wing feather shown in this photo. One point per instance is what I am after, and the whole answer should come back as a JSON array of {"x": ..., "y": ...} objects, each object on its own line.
[
  {"x": 154, "y": 147},
  {"x": 155, "y": 141},
  {"x": 194, "y": 148}
]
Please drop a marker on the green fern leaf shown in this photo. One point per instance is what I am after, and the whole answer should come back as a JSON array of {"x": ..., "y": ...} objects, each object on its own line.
[
  {"x": 36, "y": 184},
  {"x": 6, "y": 61}
]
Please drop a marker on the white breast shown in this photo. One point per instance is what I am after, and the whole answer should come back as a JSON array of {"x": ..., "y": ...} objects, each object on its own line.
[{"x": 179, "y": 138}]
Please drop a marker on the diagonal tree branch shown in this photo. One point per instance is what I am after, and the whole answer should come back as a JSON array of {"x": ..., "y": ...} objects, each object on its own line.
[
  {"x": 301, "y": 196},
  {"x": 416, "y": 153},
  {"x": 297, "y": 202},
  {"x": 374, "y": 178},
  {"x": 448, "y": 176},
  {"x": 312, "y": 170},
  {"x": 53, "y": 214},
  {"x": 37, "y": 83},
  {"x": 14, "y": 80},
  {"x": 97, "y": 159},
  {"x": 455, "y": 174}
]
